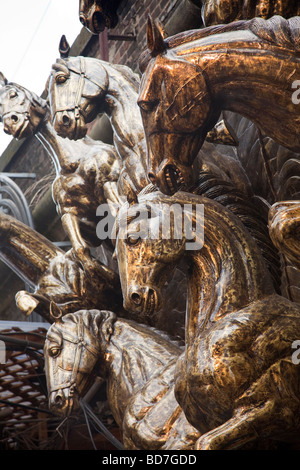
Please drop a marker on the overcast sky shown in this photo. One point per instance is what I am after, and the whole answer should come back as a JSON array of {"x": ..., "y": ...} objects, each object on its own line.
[{"x": 30, "y": 31}]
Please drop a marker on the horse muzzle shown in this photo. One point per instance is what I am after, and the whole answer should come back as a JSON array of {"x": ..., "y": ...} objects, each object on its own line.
[
  {"x": 143, "y": 300},
  {"x": 172, "y": 178},
  {"x": 64, "y": 401},
  {"x": 95, "y": 22},
  {"x": 68, "y": 126},
  {"x": 96, "y": 19},
  {"x": 17, "y": 125}
]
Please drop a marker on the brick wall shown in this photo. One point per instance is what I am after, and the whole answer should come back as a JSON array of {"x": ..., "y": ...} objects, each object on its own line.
[{"x": 133, "y": 16}]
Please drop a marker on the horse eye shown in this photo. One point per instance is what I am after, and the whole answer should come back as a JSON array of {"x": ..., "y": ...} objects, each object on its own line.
[
  {"x": 54, "y": 351},
  {"x": 148, "y": 105},
  {"x": 132, "y": 239},
  {"x": 59, "y": 78},
  {"x": 13, "y": 94}
]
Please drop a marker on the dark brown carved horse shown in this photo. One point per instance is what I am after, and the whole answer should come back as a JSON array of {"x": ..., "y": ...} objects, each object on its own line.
[
  {"x": 235, "y": 381},
  {"x": 56, "y": 278},
  {"x": 82, "y": 87},
  {"x": 138, "y": 364},
  {"x": 87, "y": 171},
  {"x": 248, "y": 67}
]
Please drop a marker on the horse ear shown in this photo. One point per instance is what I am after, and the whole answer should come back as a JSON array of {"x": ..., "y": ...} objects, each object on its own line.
[
  {"x": 3, "y": 80},
  {"x": 155, "y": 37},
  {"x": 222, "y": 133},
  {"x": 100, "y": 322},
  {"x": 55, "y": 312},
  {"x": 64, "y": 47}
]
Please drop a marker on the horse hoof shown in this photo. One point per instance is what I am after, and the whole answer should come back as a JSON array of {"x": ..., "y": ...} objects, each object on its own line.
[{"x": 205, "y": 443}]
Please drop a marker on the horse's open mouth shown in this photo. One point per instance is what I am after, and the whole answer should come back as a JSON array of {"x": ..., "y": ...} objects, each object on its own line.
[
  {"x": 174, "y": 178},
  {"x": 150, "y": 303},
  {"x": 98, "y": 22},
  {"x": 65, "y": 405},
  {"x": 79, "y": 129},
  {"x": 21, "y": 130}
]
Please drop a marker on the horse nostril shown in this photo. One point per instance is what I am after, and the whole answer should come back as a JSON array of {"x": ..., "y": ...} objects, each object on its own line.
[
  {"x": 82, "y": 20},
  {"x": 59, "y": 400},
  {"x": 66, "y": 120},
  {"x": 151, "y": 178},
  {"x": 151, "y": 292},
  {"x": 136, "y": 298},
  {"x": 14, "y": 118}
]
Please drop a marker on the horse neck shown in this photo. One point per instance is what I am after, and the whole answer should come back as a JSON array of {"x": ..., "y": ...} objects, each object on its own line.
[
  {"x": 247, "y": 76},
  {"x": 133, "y": 355},
  {"x": 226, "y": 275},
  {"x": 122, "y": 109},
  {"x": 25, "y": 251},
  {"x": 57, "y": 148}
]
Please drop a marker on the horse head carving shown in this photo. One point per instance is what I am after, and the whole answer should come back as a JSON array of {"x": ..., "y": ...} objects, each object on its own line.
[
  {"x": 21, "y": 110},
  {"x": 137, "y": 229},
  {"x": 183, "y": 102},
  {"x": 73, "y": 79},
  {"x": 85, "y": 344},
  {"x": 188, "y": 80},
  {"x": 72, "y": 349}
]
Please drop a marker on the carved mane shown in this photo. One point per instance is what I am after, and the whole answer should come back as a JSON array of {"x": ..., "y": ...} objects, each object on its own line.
[
  {"x": 277, "y": 31},
  {"x": 244, "y": 208}
]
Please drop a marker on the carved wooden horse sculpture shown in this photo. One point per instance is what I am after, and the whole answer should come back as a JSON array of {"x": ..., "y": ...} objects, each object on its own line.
[
  {"x": 57, "y": 279},
  {"x": 248, "y": 67},
  {"x": 87, "y": 171},
  {"x": 138, "y": 365},
  {"x": 82, "y": 87},
  {"x": 235, "y": 380}
]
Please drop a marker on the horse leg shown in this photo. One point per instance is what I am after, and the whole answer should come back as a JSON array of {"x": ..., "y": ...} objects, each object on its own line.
[
  {"x": 92, "y": 267},
  {"x": 111, "y": 195},
  {"x": 26, "y": 302},
  {"x": 25, "y": 251},
  {"x": 284, "y": 224},
  {"x": 243, "y": 428}
]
